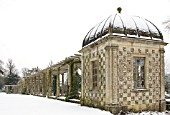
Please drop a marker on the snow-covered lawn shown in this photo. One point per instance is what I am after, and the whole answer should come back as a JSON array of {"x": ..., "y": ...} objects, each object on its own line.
[{"x": 15, "y": 104}]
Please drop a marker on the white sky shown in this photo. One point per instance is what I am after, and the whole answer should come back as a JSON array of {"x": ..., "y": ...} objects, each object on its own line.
[{"x": 33, "y": 32}]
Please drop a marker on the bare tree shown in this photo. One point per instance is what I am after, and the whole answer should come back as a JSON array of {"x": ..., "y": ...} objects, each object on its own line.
[
  {"x": 1, "y": 67},
  {"x": 167, "y": 24},
  {"x": 34, "y": 70},
  {"x": 2, "y": 70},
  {"x": 50, "y": 63},
  {"x": 11, "y": 67},
  {"x": 25, "y": 72},
  {"x": 12, "y": 74},
  {"x": 167, "y": 65}
]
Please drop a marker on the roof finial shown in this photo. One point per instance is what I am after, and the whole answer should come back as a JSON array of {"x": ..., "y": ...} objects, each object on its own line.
[{"x": 119, "y": 9}]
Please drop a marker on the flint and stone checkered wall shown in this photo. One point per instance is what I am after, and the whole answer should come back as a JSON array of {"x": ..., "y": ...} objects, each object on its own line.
[
  {"x": 145, "y": 99},
  {"x": 97, "y": 96},
  {"x": 127, "y": 95}
]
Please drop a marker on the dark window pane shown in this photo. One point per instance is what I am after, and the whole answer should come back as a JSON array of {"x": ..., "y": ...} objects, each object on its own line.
[{"x": 138, "y": 72}]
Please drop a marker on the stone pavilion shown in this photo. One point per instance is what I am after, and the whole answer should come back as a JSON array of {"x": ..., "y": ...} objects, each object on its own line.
[{"x": 123, "y": 65}]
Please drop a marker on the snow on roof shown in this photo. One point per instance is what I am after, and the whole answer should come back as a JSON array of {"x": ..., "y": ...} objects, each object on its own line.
[{"x": 124, "y": 25}]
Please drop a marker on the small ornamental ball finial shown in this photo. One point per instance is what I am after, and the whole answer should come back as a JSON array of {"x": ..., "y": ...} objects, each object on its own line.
[{"x": 119, "y": 9}]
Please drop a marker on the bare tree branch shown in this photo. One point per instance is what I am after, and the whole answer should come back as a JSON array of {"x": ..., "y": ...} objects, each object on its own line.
[
  {"x": 166, "y": 66},
  {"x": 11, "y": 67},
  {"x": 12, "y": 75},
  {"x": 167, "y": 24},
  {"x": 25, "y": 72},
  {"x": 50, "y": 63},
  {"x": 1, "y": 68}
]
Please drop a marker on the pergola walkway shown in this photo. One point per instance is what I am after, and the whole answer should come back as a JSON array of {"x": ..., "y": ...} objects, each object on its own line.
[{"x": 54, "y": 81}]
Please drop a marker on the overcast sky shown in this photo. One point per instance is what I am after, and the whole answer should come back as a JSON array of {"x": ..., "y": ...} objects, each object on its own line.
[{"x": 33, "y": 32}]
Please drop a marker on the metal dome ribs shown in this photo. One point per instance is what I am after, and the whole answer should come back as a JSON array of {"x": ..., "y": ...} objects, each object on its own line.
[{"x": 125, "y": 26}]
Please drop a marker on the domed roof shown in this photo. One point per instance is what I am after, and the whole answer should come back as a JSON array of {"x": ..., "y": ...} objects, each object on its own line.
[{"x": 124, "y": 26}]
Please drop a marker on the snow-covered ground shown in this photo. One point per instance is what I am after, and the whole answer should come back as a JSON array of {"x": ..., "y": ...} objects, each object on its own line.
[{"x": 15, "y": 104}]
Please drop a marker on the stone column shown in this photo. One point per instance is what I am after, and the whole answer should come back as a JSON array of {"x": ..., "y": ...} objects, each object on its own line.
[
  {"x": 69, "y": 78},
  {"x": 62, "y": 93},
  {"x": 6, "y": 89},
  {"x": 36, "y": 78},
  {"x": 34, "y": 85},
  {"x": 41, "y": 84},
  {"x": 44, "y": 90},
  {"x": 82, "y": 79},
  {"x": 49, "y": 83},
  {"x": 38, "y": 83},
  {"x": 108, "y": 75},
  {"x": 114, "y": 74},
  {"x": 28, "y": 85},
  {"x": 58, "y": 82},
  {"x": 111, "y": 74},
  {"x": 162, "y": 81}
]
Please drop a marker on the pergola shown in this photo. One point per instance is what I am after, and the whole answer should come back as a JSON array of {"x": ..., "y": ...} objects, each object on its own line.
[{"x": 51, "y": 81}]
